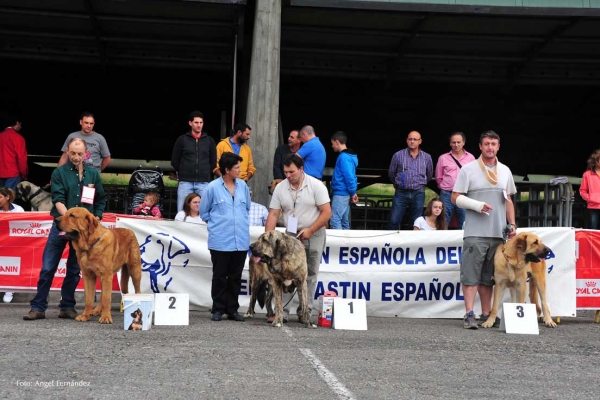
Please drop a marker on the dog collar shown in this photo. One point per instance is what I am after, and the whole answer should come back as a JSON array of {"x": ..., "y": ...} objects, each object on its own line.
[
  {"x": 40, "y": 190},
  {"x": 93, "y": 244}
]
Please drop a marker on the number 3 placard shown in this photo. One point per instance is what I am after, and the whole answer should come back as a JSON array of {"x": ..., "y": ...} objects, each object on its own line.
[
  {"x": 519, "y": 318},
  {"x": 349, "y": 314},
  {"x": 172, "y": 309}
]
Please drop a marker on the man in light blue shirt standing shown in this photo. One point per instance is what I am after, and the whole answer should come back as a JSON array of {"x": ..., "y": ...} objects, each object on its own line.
[
  {"x": 312, "y": 152},
  {"x": 225, "y": 206}
]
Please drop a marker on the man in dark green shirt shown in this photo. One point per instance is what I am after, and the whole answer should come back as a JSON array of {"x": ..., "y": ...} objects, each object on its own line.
[{"x": 73, "y": 185}]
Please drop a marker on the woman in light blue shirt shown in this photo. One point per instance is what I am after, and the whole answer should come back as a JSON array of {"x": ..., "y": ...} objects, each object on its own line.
[{"x": 225, "y": 206}]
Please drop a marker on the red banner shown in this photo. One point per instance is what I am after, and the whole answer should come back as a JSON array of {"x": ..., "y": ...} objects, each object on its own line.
[
  {"x": 587, "y": 269},
  {"x": 23, "y": 236}
]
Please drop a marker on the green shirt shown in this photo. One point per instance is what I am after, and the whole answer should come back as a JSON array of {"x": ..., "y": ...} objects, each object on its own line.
[{"x": 67, "y": 188}]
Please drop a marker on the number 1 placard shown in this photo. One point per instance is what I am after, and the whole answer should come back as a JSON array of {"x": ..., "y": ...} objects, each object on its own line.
[
  {"x": 349, "y": 314},
  {"x": 172, "y": 309},
  {"x": 520, "y": 318}
]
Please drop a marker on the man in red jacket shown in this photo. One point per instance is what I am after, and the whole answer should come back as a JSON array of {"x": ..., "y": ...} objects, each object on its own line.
[
  {"x": 13, "y": 162},
  {"x": 13, "y": 155}
]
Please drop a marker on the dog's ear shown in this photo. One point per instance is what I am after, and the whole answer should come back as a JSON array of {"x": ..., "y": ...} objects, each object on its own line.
[
  {"x": 92, "y": 223},
  {"x": 521, "y": 243},
  {"x": 276, "y": 248}
]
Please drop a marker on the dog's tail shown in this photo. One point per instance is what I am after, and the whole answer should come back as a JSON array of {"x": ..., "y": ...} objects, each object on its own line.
[{"x": 264, "y": 288}]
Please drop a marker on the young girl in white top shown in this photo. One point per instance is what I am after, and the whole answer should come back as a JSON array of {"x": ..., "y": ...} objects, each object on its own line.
[
  {"x": 7, "y": 196},
  {"x": 434, "y": 218},
  {"x": 190, "y": 212}
]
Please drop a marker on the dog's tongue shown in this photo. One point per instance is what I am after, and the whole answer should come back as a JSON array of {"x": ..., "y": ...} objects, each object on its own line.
[
  {"x": 62, "y": 233},
  {"x": 257, "y": 259}
]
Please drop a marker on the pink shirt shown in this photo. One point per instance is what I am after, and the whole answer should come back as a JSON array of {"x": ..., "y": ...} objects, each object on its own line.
[
  {"x": 446, "y": 170},
  {"x": 590, "y": 189}
]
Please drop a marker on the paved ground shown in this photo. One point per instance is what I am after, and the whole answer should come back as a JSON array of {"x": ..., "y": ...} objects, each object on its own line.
[{"x": 394, "y": 359}]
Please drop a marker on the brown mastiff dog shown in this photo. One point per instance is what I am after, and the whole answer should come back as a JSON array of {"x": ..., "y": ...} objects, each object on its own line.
[
  {"x": 522, "y": 256},
  {"x": 285, "y": 258},
  {"x": 101, "y": 252}
]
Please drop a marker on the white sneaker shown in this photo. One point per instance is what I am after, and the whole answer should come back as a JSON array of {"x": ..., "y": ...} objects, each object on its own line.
[{"x": 8, "y": 296}]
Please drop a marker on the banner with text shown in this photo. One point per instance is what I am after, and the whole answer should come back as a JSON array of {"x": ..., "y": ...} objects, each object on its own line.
[
  {"x": 23, "y": 236},
  {"x": 406, "y": 274}
]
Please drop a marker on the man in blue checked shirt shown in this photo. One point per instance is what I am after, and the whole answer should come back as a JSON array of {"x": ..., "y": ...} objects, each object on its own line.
[
  {"x": 258, "y": 213},
  {"x": 409, "y": 171}
]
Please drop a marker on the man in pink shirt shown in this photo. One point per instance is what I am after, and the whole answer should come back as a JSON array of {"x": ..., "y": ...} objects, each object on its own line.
[{"x": 446, "y": 172}]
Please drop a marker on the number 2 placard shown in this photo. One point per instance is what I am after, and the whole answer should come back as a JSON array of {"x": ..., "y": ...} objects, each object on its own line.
[
  {"x": 519, "y": 318},
  {"x": 172, "y": 309},
  {"x": 349, "y": 314}
]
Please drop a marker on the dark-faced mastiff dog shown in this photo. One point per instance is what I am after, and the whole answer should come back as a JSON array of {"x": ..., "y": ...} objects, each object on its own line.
[
  {"x": 260, "y": 287},
  {"x": 285, "y": 259},
  {"x": 101, "y": 252},
  {"x": 37, "y": 198}
]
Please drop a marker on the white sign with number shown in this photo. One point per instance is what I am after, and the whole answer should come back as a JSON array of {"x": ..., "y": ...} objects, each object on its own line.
[
  {"x": 350, "y": 314},
  {"x": 519, "y": 318},
  {"x": 172, "y": 309}
]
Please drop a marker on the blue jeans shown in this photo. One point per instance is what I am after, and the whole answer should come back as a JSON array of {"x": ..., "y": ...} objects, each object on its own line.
[
  {"x": 449, "y": 208},
  {"x": 340, "y": 212},
  {"x": 50, "y": 259},
  {"x": 594, "y": 218},
  {"x": 185, "y": 188},
  {"x": 10, "y": 183},
  {"x": 403, "y": 198}
]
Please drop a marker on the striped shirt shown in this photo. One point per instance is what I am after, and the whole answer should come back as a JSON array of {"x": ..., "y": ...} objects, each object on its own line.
[{"x": 411, "y": 173}]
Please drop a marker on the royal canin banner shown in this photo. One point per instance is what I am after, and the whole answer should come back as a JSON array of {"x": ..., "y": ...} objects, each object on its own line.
[
  {"x": 588, "y": 269},
  {"x": 406, "y": 274},
  {"x": 23, "y": 236}
]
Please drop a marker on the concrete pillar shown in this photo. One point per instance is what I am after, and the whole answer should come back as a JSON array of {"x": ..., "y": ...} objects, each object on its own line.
[{"x": 263, "y": 95}]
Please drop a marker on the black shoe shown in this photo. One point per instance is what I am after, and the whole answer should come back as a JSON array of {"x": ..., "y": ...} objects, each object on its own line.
[
  {"x": 483, "y": 318},
  {"x": 68, "y": 314},
  {"x": 217, "y": 316},
  {"x": 32, "y": 315},
  {"x": 236, "y": 317}
]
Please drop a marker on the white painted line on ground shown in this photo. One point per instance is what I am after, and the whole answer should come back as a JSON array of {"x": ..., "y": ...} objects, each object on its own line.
[{"x": 338, "y": 388}]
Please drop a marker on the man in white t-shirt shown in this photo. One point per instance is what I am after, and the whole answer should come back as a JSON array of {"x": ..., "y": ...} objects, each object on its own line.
[
  {"x": 484, "y": 188},
  {"x": 305, "y": 207}
]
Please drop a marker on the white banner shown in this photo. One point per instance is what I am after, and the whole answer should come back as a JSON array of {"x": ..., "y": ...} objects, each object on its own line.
[{"x": 411, "y": 274}]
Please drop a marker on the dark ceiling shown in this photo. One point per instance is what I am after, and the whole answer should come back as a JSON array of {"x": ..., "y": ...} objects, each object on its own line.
[
  {"x": 387, "y": 42},
  {"x": 374, "y": 69}
]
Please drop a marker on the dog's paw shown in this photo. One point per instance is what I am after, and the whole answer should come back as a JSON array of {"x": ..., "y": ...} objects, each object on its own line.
[
  {"x": 82, "y": 318},
  {"x": 550, "y": 323},
  {"x": 311, "y": 325},
  {"x": 97, "y": 310},
  {"x": 276, "y": 324},
  {"x": 248, "y": 315},
  {"x": 105, "y": 319},
  {"x": 489, "y": 323}
]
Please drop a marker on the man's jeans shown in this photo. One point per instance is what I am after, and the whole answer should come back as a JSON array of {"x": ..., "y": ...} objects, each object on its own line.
[
  {"x": 413, "y": 199},
  {"x": 449, "y": 208},
  {"x": 340, "y": 212},
  {"x": 185, "y": 188},
  {"x": 10, "y": 183},
  {"x": 50, "y": 259}
]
